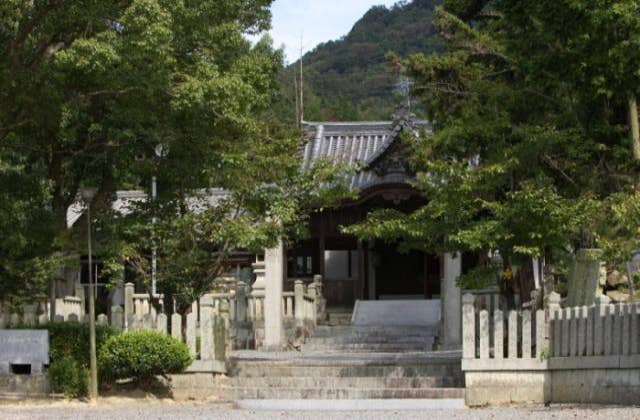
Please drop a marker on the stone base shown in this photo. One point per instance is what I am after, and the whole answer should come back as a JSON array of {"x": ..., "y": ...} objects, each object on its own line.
[
  {"x": 193, "y": 386},
  {"x": 501, "y": 388},
  {"x": 24, "y": 385},
  {"x": 600, "y": 380},
  {"x": 596, "y": 386}
]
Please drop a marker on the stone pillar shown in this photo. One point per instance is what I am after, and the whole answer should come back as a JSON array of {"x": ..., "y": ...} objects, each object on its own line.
[
  {"x": 451, "y": 301},
  {"x": 554, "y": 327},
  {"x": 469, "y": 348},
  {"x": 79, "y": 292},
  {"x": 241, "y": 301},
  {"x": 584, "y": 278},
  {"x": 117, "y": 317},
  {"x": 257, "y": 291},
  {"x": 274, "y": 276},
  {"x": 298, "y": 301},
  {"x": 313, "y": 294},
  {"x": 128, "y": 302},
  {"x": 206, "y": 328},
  {"x": 322, "y": 302}
]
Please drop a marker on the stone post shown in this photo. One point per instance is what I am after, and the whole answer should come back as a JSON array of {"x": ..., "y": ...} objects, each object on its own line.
[
  {"x": 128, "y": 303},
  {"x": 274, "y": 275},
  {"x": 241, "y": 301},
  {"x": 298, "y": 304},
  {"x": 258, "y": 290},
  {"x": 206, "y": 328},
  {"x": 322, "y": 302},
  {"x": 451, "y": 302},
  {"x": 601, "y": 305},
  {"x": 176, "y": 326},
  {"x": 313, "y": 293},
  {"x": 584, "y": 278},
  {"x": 117, "y": 319},
  {"x": 553, "y": 331},
  {"x": 80, "y": 294},
  {"x": 29, "y": 315},
  {"x": 227, "y": 345}
]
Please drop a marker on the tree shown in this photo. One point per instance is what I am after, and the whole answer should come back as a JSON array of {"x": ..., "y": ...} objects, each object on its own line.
[
  {"x": 89, "y": 88},
  {"x": 530, "y": 139},
  {"x": 195, "y": 234}
]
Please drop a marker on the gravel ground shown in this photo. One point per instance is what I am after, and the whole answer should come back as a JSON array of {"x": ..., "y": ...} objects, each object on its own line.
[{"x": 171, "y": 410}]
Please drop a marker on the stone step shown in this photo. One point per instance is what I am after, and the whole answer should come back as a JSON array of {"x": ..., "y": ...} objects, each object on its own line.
[
  {"x": 342, "y": 359},
  {"x": 389, "y": 404},
  {"x": 368, "y": 339},
  {"x": 345, "y": 382},
  {"x": 237, "y": 393},
  {"x": 370, "y": 347},
  {"x": 367, "y": 329},
  {"x": 339, "y": 318},
  {"x": 262, "y": 370}
]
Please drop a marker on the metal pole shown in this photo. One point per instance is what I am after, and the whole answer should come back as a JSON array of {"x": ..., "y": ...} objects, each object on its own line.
[{"x": 93, "y": 365}]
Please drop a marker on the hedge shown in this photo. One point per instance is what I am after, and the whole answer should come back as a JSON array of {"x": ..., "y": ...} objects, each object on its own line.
[{"x": 142, "y": 355}]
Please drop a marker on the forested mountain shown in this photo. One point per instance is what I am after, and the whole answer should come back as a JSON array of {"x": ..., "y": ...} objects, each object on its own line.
[{"x": 349, "y": 79}]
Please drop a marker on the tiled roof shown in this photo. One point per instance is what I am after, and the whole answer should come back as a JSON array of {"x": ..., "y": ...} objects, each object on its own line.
[
  {"x": 360, "y": 144},
  {"x": 125, "y": 200}
]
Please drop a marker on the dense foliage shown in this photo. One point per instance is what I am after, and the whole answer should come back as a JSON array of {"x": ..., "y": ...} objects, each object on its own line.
[
  {"x": 90, "y": 89},
  {"x": 348, "y": 79},
  {"x": 69, "y": 355},
  {"x": 532, "y": 154},
  {"x": 67, "y": 377},
  {"x": 141, "y": 356}
]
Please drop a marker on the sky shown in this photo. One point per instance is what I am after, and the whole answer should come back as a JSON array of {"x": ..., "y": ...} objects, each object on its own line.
[{"x": 316, "y": 21}]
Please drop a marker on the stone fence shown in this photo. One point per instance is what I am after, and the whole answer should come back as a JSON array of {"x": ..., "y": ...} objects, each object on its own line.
[
  {"x": 243, "y": 309},
  {"x": 205, "y": 332},
  {"x": 565, "y": 355}
]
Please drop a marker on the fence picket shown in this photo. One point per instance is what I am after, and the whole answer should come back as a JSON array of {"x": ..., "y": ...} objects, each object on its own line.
[
  {"x": 498, "y": 335},
  {"x": 526, "y": 334},
  {"x": 541, "y": 342},
  {"x": 512, "y": 326},
  {"x": 484, "y": 334}
]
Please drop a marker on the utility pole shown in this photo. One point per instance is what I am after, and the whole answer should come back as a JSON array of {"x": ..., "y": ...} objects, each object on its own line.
[
  {"x": 88, "y": 195},
  {"x": 634, "y": 126}
]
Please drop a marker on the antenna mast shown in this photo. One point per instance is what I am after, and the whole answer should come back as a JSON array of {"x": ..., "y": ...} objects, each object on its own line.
[
  {"x": 301, "y": 85},
  {"x": 295, "y": 94}
]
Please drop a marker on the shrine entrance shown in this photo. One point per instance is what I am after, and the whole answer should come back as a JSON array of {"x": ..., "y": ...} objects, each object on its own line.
[
  {"x": 363, "y": 270},
  {"x": 409, "y": 275}
]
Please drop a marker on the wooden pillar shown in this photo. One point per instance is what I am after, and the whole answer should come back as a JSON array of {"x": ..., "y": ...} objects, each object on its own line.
[
  {"x": 321, "y": 248},
  {"x": 371, "y": 272},
  {"x": 428, "y": 293},
  {"x": 358, "y": 292}
]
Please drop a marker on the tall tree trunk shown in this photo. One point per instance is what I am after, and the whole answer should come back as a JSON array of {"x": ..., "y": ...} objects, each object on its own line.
[{"x": 634, "y": 125}]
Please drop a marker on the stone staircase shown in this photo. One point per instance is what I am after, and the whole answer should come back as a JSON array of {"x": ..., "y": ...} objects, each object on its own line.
[{"x": 349, "y": 362}]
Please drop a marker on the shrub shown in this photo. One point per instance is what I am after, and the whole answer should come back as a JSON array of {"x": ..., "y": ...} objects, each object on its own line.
[
  {"x": 68, "y": 377},
  {"x": 72, "y": 339},
  {"x": 141, "y": 356},
  {"x": 69, "y": 353}
]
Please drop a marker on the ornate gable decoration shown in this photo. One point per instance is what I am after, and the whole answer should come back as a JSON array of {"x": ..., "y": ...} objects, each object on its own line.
[{"x": 393, "y": 159}]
